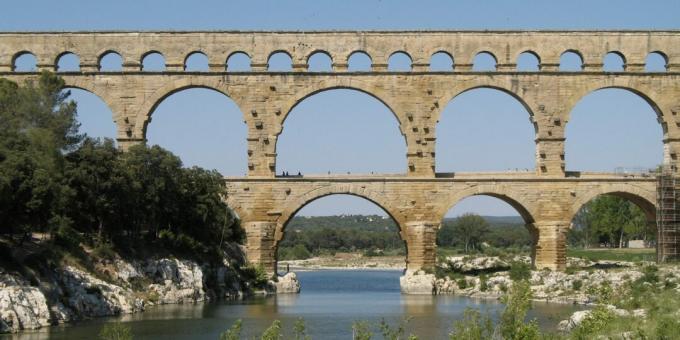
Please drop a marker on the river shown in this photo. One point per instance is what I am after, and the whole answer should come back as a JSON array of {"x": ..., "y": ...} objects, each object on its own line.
[{"x": 330, "y": 301}]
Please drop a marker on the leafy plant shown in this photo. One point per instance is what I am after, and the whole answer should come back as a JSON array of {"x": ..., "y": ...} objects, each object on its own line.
[
  {"x": 115, "y": 331},
  {"x": 233, "y": 333}
]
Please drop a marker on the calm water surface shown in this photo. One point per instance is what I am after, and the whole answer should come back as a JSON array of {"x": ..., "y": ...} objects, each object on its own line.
[{"x": 330, "y": 302}]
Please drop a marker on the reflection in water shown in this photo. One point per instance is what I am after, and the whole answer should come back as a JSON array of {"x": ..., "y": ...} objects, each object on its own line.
[{"x": 330, "y": 302}]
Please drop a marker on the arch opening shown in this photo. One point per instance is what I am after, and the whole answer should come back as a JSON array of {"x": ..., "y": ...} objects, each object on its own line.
[
  {"x": 339, "y": 229},
  {"x": 615, "y": 225},
  {"x": 111, "y": 62},
  {"x": 93, "y": 114},
  {"x": 656, "y": 62},
  {"x": 484, "y": 62},
  {"x": 528, "y": 62},
  {"x": 153, "y": 62},
  {"x": 613, "y": 130},
  {"x": 68, "y": 62},
  {"x": 613, "y": 62},
  {"x": 196, "y": 62},
  {"x": 320, "y": 62},
  {"x": 485, "y": 129},
  {"x": 399, "y": 62},
  {"x": 238, "y": 62},
  {"x": 204, "y": 127},
  {"x": 441, "y": 62},
  {"x": 486, "y": 224},
  {"x": 359, "y": 62},
  {"x": 25, "y": 62},
  {"x": 334, "y": 132},
  {"x": 571, "y": 61},
  {"x": 280, "y": 62}
]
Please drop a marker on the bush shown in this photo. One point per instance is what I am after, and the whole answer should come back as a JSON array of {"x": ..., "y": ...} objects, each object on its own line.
[
  {"x": 576, "y": 285},
  {"x": 518, "y": 303},
  {"x": 68, "y": 238},
  {"x": 273, "y": 332},
  {"x": 597, "y": 321},
  {"x": 233, "y": 333},
  {"x": 255, "y": 274},
  {"x": 115, "y": 331},
  {"x": 483, "y": 285},
  {"x": 520, "y": 271},
  {"x": 473, "y": 326},
  {"x": 361, "y": 331},
  {"x": 462, "y": 283},
  {"x": 104, "y": 251}
]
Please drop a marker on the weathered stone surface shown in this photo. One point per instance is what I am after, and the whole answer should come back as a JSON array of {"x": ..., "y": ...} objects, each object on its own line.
[
  {"x": 547, "y": 196},
  {"x": 22, "y": 307},
  {"x": 287, "y": 284},
  {"x": 176, "y": 281},
  {"x": 417, "y": 283}
]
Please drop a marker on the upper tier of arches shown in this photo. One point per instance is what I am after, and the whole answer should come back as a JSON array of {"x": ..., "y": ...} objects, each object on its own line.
[{"x": 636, "y": 51}]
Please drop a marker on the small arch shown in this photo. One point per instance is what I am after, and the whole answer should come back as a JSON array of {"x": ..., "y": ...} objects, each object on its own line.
[
  {"x": 280, "y": 61},
  {"x": 614, "y": 62},
  {"x": 571, "y": 61},
  {"x": 320, "y": 61},
  {"x": 484, "y": 62},
  {"x": 68, "y": 62},
  {"x": 399, "y": 62},
  {"x": 238, "y": 62},
  {"x": 24, "y": 62},
  {"x": 656, "y": 62},
  {"x": 359, "y": 61},
  {"x": 110, "y": 61},
  {"x": 196, "y": 62},
  {"x": 441, "y": 62},
  {"x": 528, "y": 61},
  {"x": 153, "y": 61}
]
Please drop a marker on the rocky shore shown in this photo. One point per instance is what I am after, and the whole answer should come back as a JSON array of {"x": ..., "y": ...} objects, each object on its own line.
[
  {"x": 345, "y": 261},
  {"x": 118, "y": 287}
]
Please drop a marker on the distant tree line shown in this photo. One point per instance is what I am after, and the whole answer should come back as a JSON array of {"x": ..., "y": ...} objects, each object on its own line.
[
  {"x": 55, "y": 180},
  {"x": 469, "y": 231},
  {"x": 610, "y": 221}
]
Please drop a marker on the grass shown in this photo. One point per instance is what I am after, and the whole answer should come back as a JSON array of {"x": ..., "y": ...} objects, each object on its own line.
[{"x": 614, "y": 254}]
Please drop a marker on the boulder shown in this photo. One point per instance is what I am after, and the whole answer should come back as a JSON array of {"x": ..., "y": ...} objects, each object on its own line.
[
  {"x": 176, "y": 281},
  {"x": 417, "y": 283},
  {"x": 287, "y": 284},
  {"x": 22, "y": 307}
]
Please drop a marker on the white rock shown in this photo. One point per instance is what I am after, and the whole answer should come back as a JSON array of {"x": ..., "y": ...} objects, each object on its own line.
[
  {"x": 89, "y": 296},
  {"x": 176, "y": 281},
  {"x": 22, "y": 307},
  {"x": 573, "y": 321},
  {"x": 287, "y": 284},
  {"x": 417, "y": 283}
]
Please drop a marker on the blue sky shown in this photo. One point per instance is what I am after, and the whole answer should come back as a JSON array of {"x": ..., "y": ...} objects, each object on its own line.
[{"x": 608, "y": 129}]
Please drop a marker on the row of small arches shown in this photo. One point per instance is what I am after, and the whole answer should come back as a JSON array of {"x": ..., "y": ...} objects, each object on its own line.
[{"x": 321, "y": 62}]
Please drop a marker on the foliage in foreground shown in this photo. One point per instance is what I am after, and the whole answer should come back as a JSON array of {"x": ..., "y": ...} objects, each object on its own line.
[
  {"x": 115, "y": 331},
  {"x": 55, "y": 180}
]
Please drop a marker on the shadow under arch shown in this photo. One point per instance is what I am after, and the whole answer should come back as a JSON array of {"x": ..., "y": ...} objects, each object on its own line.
[{"x": 150, "y": 105}]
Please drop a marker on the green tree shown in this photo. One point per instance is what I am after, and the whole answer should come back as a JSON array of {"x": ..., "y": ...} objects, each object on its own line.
[
  {"x": 37, "y": 126},
  {"x": 611, "y": 220},
  {"x": 470, "y": 229}
]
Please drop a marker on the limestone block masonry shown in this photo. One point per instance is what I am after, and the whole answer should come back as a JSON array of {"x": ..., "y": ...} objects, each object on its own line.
[{"x": 547, "y": 197}]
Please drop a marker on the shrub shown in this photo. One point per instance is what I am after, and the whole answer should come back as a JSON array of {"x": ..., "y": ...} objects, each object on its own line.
[
  {"x": 115, "y": 331},
  {"x": 68, "y": 238},
  {"x": 233, "y": 333},
  {"x": 576, "y": 285},
  {"x": 104, "y": 251},
  {"x": 520, "y": 271},
  {"x": 300, "y": 331},
  {"x": 273, "y": 332},
  {"x": 473, "y": 326},
  {"x": 255, "y": 274},
  {"x": 597, "y": 321},
  {"x": 518, "y": 303},
  {"x": 361, "y": 331},
  {"x": 462, "y": 283},
  {"x": 483, "y": 284}
]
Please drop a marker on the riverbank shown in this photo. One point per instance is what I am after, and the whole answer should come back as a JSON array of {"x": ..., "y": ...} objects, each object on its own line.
[
  {"x": 45, "y": 286},
  {"x": 344, "y": 261}
]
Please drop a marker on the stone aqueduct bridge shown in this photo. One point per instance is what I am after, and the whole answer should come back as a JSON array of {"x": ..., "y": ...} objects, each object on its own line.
[{"x": 547, "y": 198}]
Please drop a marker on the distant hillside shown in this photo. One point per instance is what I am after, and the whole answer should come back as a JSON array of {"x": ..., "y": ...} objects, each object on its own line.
[{"x": 377, "y": 223}]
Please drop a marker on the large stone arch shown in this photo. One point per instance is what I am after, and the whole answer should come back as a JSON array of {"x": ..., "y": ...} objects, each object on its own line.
[
  {"x": 299, "y": 202},
  {"x": 502, "y": 192},
  {"x": 143, "y": 116},
  {"x": 110, "y": 99},
  {"x": 645, "y": 199},
  {"x": 577, "y": 94},
  {"x": 509, "y": 90}
]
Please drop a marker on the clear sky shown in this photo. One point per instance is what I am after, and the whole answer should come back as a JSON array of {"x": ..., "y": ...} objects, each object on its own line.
[{"x": 608, "y": 128}]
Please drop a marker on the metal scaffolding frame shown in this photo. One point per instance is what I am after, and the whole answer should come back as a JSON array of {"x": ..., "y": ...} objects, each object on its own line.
[{"x": 667, "y": 216}]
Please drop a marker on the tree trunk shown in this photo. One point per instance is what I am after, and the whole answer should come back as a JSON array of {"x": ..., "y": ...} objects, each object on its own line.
[{"x": 621, "y": 239}]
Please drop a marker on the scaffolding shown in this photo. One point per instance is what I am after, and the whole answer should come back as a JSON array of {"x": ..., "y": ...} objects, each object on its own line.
[{"x": 668, "y": 216}]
